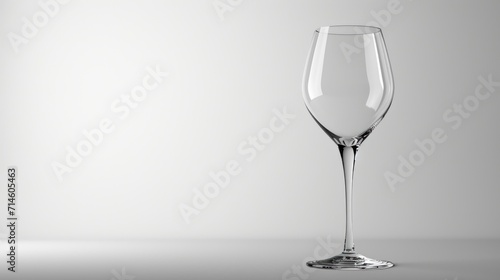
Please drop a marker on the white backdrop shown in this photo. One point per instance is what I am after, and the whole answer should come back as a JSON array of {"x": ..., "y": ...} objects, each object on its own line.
[{"x": 234, "y": 75}]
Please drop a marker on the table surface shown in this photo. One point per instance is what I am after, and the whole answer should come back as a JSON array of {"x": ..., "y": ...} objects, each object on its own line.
[{"x": 248, "y": 259}]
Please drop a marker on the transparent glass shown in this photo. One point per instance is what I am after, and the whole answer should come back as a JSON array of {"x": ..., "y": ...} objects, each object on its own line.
[{"x": 348, "y": 88}]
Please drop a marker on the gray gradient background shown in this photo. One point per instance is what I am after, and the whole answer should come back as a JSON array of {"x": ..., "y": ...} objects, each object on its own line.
[{"x": 226, "y": 77}]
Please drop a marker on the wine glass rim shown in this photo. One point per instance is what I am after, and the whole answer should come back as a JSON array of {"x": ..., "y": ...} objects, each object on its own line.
[{"x": 348, "y": 30}]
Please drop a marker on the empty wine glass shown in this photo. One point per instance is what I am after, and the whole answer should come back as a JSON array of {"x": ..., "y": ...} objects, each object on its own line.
[{"x": 348, "y": 88}]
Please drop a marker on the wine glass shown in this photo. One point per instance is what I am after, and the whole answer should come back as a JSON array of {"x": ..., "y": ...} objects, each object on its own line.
[{"x": 347, "y": 89}]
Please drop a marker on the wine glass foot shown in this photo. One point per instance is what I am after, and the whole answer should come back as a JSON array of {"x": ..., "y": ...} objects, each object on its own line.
[{"x": 350, "y": 261}]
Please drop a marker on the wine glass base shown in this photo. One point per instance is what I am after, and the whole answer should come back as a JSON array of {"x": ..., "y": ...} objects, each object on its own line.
[{"x": 350, "y": 261}]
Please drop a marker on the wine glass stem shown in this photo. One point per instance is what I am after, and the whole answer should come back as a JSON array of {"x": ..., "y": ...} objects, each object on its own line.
[{"x": 348, "y": 155}]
